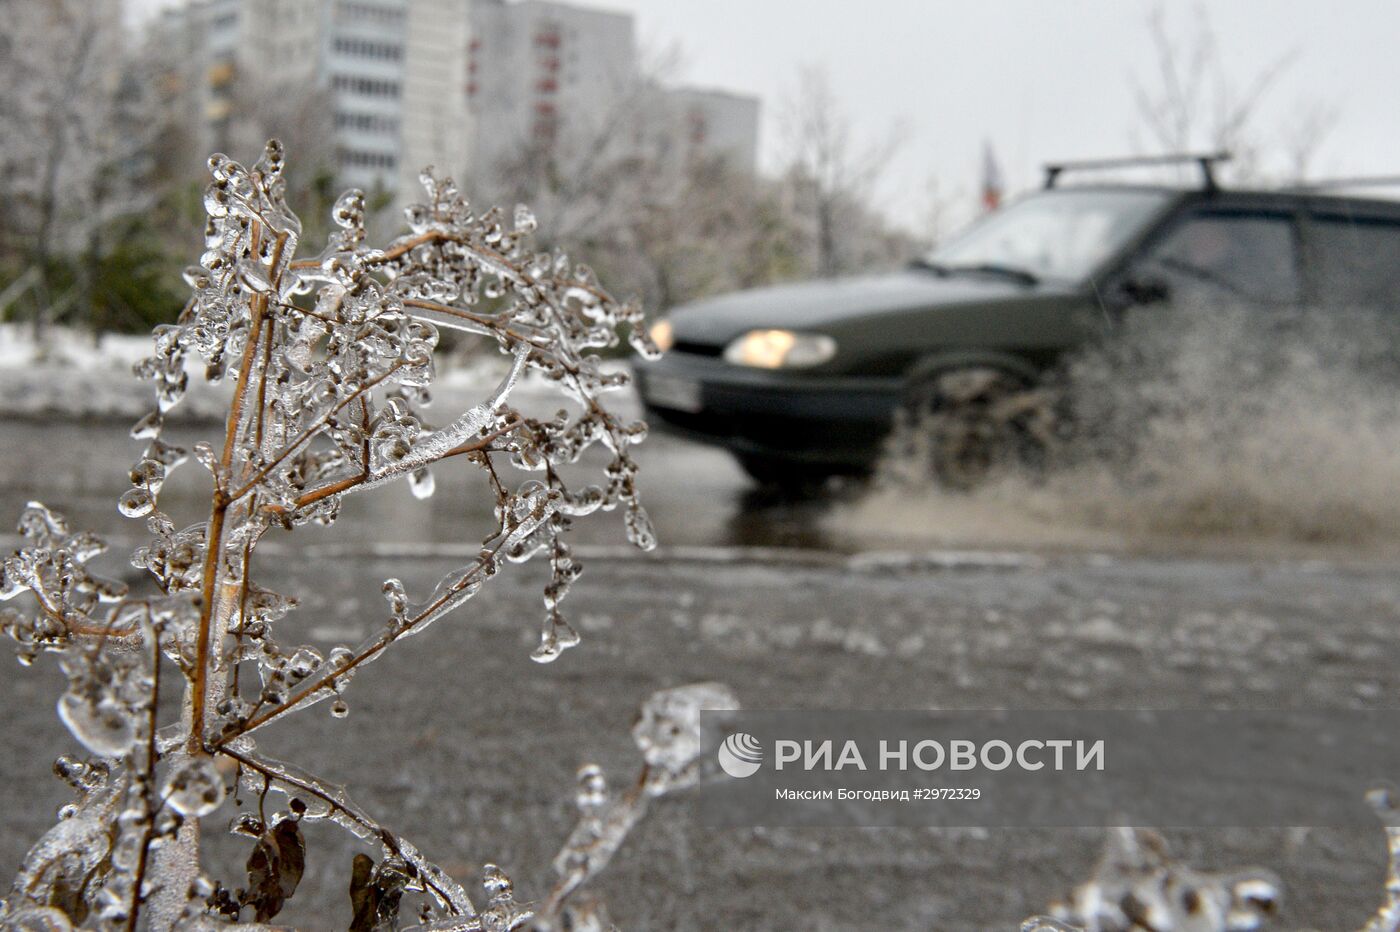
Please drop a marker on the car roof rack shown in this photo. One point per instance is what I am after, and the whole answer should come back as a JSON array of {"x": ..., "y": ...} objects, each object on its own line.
[
  {"x": 1206, "y": 160},
  {"x": 1359, "y": 181}
]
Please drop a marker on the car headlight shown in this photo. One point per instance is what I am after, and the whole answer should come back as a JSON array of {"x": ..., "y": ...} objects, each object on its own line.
[
  {"x": 663, "y": 335},
  {"x": 780, "y": 349}
]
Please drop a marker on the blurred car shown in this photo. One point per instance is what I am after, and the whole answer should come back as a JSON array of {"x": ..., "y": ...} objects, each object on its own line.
[{"x": 805, "y": 380}]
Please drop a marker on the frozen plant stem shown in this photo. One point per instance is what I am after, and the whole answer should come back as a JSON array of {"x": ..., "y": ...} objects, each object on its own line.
[
  {"x": 214, "y": 607},
  {"x": 330, "y": 358}
]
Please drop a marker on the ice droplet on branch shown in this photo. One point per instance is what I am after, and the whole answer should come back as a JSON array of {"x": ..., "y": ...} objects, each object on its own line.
[
  {"x": 102, "y": 724},
  {"x": 421, "y": 482}
]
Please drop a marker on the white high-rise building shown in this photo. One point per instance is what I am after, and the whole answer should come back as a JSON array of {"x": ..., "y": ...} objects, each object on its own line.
[
  {"x": 364, "y": 49},
  {"x": 544, "y": 76},
  {"x": 713, "y": 124},
  {"x": 347, "y": 56},
  {"x": 468, "y": 86},
  {"x": 436, "y": 127},
  {"x": 353, "y": 51}
]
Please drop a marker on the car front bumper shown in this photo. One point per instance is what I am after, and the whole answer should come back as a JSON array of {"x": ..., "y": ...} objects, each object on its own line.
[{"x": 834, "y": 420}]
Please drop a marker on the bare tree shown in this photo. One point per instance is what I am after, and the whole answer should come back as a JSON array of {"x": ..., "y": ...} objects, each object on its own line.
[
  {"x": 832, "y": 174},
  {"x": 939, "y": 215},
  {"x": 710, "y": 229},
  {"x": 662, "y": 218},
  {"x": 595, "y": 173},
  {"x": 1194, "y": 103},
  {"x": 1189, "y": 101},
  {"x": 672, "y": 222},
  {"x": 1305, "y": 134},
  {"x": 60, "y": 68}
]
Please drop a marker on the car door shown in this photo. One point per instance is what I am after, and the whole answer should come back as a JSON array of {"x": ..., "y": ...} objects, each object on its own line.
[
  {"x": 1353, "y": 258},
  {"x": 1219, "y": 254}
]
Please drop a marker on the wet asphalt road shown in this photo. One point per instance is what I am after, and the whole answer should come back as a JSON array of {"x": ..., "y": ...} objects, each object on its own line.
[
  {"x": 474, "y": 747},
  {"x": 697, "y": 496}
]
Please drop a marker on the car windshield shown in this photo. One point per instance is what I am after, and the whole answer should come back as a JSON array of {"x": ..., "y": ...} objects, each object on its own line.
[{"x": 1057, "y": 234}]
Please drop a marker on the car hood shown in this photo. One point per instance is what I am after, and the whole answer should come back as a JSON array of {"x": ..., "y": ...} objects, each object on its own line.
[{"x": 827, "y": 303}]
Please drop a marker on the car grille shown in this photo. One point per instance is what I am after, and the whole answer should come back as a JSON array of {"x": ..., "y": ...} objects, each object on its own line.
[{"x": 696, "y": 349}]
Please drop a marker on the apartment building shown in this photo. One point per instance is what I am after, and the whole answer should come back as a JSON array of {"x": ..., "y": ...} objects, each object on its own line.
[
  {"x": 436, "y": 125},
  {"x": 713, "y": 124},
  {"x": 240, "y": 55},
  {"x": 544, "y": 76},
  {"x": 463, "y": 85}
]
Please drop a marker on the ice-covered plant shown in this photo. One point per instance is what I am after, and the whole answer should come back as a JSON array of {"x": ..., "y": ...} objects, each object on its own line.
[
  {"x": 330, "y": 359},
  {"x": 1387, "y": 916},
  {"x": 1139, "y": 886}
]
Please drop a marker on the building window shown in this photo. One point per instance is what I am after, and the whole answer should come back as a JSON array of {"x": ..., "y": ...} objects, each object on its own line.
[
  {"x": 699, "y": 127},
  {"x": 381, "y": 51},
  {"x": 371, "y": 13},
  {"x": 358, "y": 158},
  {"x": 545, "y": 126},
  {"x": 366, "y": 122},
  {"x": 368, "y": 87}
]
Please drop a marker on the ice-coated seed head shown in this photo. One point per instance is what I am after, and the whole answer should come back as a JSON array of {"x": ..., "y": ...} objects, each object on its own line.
[
  {"x": 193, "y": 787},
  {"x": 395, "y": 595},
  {"x": 669, "y": 732},
  {"x": 495, "y": 881},
  {"x": 592, "y": 788}
]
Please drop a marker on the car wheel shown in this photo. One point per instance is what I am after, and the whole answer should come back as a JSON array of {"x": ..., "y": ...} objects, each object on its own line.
[{"x": 962, "y": 426}]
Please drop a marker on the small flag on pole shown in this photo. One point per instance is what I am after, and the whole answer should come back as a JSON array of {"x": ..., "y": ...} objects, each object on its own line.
[{"x": 991, "y": 178}]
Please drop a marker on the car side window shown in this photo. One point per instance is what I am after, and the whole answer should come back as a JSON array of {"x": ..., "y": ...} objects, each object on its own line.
[
  {"x": 1355, "y": 261},
  {"x": 1219, "y": 256}
]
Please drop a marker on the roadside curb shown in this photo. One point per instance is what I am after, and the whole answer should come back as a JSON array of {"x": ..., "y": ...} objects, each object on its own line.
[
  {"x": 891, "y": 562},
  {"x": 877, "y": 562}
]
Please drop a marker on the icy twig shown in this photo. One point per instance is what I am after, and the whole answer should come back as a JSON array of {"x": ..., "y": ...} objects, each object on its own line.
[
  {"x": 339, "y": 808},
  {"x": 1387, "y": 917}
]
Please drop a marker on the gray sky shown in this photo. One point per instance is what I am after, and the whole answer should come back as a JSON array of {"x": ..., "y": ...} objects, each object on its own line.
[{"x": 1041, "y": 79}]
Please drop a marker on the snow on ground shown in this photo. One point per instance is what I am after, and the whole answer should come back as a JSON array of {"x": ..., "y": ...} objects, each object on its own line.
[
  {"x": 72, "y": 349},
  {"x": 82, "y": 376},
  {"x": 85, "y": 377}
]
